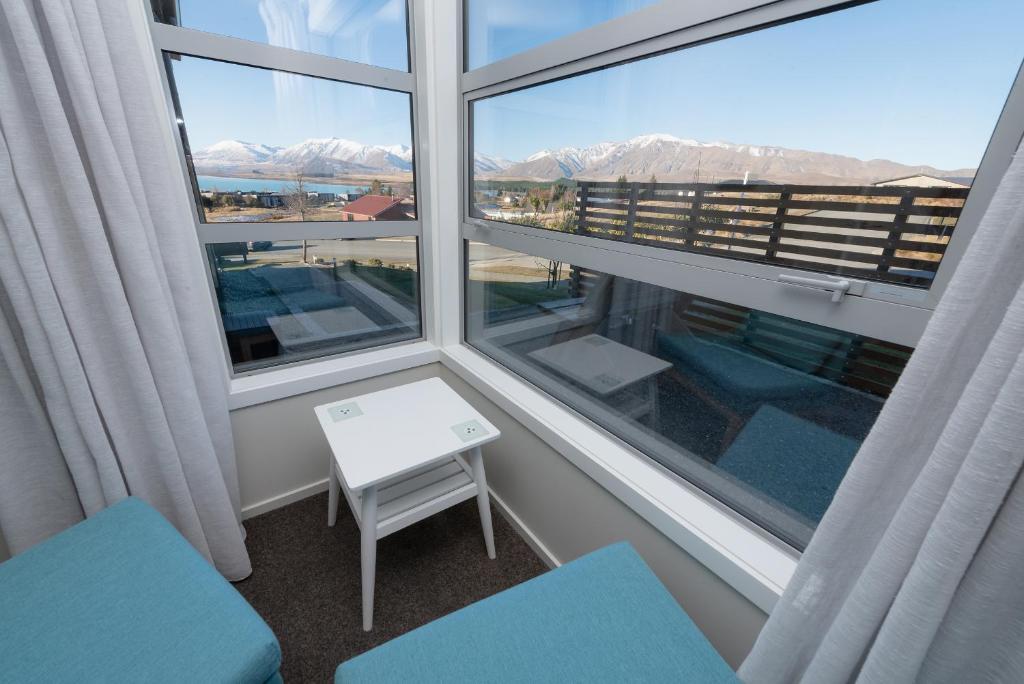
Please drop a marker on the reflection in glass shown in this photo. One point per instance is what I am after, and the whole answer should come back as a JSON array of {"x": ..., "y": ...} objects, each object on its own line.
[
  {"x": 283, "y": 301},
  {"x": 496, "y": 29},
  {"x": 272, "y": 146},
  {"x": 763, "y": 411},
  {"x": 366, "y": 31},
  {"x": 771, "y": 146}
]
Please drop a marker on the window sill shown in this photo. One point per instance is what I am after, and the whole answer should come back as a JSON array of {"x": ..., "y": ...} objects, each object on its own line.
[
  {"x": 753, "y": 563},
  {"x": 297, "y": 379}
]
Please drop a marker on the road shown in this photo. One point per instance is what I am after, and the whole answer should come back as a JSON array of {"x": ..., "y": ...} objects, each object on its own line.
[{"x": 495, "y": 262}]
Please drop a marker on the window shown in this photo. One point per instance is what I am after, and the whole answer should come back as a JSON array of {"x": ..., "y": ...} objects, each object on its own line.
[
  {"x": 272, "y": 146},
  {"x": 366, "y": 31},
  {"x": 695, "y": 150},
  {"x": 292, "y": 300},
  {"x": 764, "y": 411},
  {"x": 720, "y": 242},
  {"x": 301, "y": 163},
  {"x": 496, "y": 29}
]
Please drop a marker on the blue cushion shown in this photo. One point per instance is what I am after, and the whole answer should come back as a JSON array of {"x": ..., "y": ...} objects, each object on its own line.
[
  {"x": 792, "y": 460},
  {"x": 744, "y": 376},
  {"x": 122, "y": 597},
  {"x": 603, "y": 617}
]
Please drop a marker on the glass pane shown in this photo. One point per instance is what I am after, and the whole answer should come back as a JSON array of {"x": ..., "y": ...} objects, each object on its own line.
[
  {"x": 762, "y": 411},
  {"x": 285, "y": 301},
  {"x": 273, "y": 146},
  {"x": 366, "y": 31},
  {"x": 844, "y": 143},
  {"x": 496, "y": 29}
]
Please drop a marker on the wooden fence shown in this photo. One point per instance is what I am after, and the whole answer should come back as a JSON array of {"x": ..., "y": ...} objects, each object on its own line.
[{"x": 894, "y": 234}]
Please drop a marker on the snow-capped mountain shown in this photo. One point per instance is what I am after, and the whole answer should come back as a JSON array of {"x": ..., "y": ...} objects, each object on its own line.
[
  {"x": 485, "y": 163},
  {"x": 234, "y": 152},
  {"x": 684, "y": 160},
  {"x": 316, "y": 156}
]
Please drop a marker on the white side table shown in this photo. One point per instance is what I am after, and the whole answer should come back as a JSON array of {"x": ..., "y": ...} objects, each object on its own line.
[{"x": 397, "y": 455}]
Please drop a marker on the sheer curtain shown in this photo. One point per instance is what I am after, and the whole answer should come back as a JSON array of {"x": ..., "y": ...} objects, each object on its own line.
[
  {"x": 110, "y": 363},
  {"x": 915, "y": 573}
]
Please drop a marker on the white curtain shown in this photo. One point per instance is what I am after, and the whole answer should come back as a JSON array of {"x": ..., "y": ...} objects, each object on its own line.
[
  {"x": 916, "y": 572},
  {"x": 110, "y": 369}
]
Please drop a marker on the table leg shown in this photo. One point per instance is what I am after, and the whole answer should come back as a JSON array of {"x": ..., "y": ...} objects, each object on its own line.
[
  {"x": 333, "y": 490},
  {"x": 368, "y": 552},
  {"x": 483, "y": 500}
]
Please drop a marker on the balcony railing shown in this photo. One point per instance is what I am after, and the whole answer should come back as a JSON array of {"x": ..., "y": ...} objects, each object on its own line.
[{"x": 895, "y": 234}]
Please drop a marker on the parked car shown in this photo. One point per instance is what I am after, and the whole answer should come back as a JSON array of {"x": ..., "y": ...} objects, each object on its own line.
[{"x": 260, "y": 245}]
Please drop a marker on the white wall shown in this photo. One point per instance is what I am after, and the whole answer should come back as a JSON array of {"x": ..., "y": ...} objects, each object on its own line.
[{"x": 281, "y": 450}]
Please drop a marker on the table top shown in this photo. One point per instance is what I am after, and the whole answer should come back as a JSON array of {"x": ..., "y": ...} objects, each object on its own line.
[
  {"x": 599, "y": 364},
  {"x": 297, "y": 330},
  {"x": 378, "y": 436}
]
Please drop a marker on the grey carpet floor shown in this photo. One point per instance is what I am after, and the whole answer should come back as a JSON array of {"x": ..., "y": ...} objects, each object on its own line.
[{"x": 305, "y": 581}]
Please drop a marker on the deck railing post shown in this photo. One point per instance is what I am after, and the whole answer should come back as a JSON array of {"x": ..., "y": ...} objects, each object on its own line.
[
  {"x": 692, "y": 228},
  {"x": 775, "y": 234},
  {"x": 899, "y": 224},
  {"x": 634, "y": 191},
  {"x": 581, "y": 215}
]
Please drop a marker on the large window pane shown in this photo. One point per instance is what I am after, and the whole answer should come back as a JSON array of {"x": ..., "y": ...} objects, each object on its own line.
[
  {"x": 272, "y": 146},
  {"x": 292, "y": 300},
  {"x": 763, "y": 411},
  {"x": 496, "y": 29},
  {"x": 842, "y": 143},
  {"x": 366, "y": 31}
]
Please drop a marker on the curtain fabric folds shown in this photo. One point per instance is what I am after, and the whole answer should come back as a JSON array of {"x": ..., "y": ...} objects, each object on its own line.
[
  {"x": 914, "y": 574},
  {"x": 109, "y": 362}
]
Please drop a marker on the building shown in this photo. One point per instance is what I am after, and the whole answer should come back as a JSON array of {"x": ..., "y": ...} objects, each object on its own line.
[
  {"x": 374, "y": 208},
  {"x": 923, "y": 180}
]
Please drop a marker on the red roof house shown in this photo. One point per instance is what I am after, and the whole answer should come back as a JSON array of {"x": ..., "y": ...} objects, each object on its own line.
[{"x": 374, "y": 208}]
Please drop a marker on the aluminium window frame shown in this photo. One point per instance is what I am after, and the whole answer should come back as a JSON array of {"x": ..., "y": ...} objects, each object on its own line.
[
  {"x": 169, "y": 39},
  {"x": 670, "y": 26},
  {"x": 755, "y": 563}
]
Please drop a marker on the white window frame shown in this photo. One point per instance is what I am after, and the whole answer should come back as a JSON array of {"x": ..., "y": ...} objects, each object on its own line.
[
  {"x": 291, "y": 377},
  {"x": 741, "y": 553}
]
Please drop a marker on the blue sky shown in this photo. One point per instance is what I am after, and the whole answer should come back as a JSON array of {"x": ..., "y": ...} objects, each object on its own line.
[
  {"x": 914, "y": 81},
  {"x": 221, "y": 101},
  {"x": 368, "y": 31}
]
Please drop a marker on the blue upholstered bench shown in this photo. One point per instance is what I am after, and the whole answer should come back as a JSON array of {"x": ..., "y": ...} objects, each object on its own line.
[
  {"x": 122, "y": 597},
  {"x": 790, "y": 459},
  {"x": 602, "y": 618}
]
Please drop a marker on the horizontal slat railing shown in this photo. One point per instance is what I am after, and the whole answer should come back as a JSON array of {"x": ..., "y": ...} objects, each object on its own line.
[{"x": 894, "y": 234}]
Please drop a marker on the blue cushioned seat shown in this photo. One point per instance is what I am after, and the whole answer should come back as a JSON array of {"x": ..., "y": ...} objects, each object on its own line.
[
  {"x": 742, "y": 375},
  {"x": 790, "y": 459},
  {"x": 602, "y": 618},
  {"x": 123, "y": 597}
]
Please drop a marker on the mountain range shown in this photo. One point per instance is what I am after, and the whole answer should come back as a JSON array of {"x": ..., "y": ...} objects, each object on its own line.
[
  {"x": 316, "y": 157},
  {"x": 666, "y": 157},
  {"x": 669, "y": 158}
]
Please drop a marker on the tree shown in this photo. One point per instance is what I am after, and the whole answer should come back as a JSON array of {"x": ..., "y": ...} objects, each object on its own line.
[
  {"x": 297, "y": 200},
  {"x": 375, "y": 187},
  {"x": 622, "y": 180},
  {"x": 536, "y": 202}
]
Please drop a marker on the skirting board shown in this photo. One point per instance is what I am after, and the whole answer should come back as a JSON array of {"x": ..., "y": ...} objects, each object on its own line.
[
  {"x": 542, "y": 551},
  {"x": 314, "y": 488},
  {"x": 280, "y": 500}
]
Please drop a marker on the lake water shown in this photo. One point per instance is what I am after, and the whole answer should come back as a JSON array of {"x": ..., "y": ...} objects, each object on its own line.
[{"x": 269, "y": 185}]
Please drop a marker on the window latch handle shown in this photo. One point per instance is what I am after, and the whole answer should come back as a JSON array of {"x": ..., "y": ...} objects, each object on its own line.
[{"x": 839, "y": 287}]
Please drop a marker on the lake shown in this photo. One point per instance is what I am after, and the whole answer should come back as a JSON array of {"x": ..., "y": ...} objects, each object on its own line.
[{"x": 269, "y": 185}]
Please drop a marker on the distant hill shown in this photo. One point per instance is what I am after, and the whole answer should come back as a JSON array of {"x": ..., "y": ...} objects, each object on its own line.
[
  {"x": 316, "y": 157},
  {"x": 669, "y": 158},
  {"x": 666, "y": 157}
]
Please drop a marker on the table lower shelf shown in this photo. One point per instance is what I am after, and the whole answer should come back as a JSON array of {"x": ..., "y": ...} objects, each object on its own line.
[{"x": 416, "y": 495}]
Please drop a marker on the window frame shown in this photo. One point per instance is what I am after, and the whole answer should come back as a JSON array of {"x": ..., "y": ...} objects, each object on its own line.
[
  {"x": 755, "y": 563},
  {"x": 190, "y": 42},
  {"x": 669, "y": 26}
]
